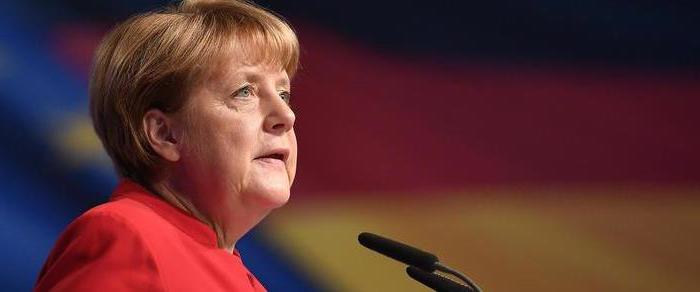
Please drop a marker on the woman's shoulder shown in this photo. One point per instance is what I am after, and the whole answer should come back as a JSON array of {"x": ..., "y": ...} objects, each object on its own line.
[
  {"x": 114, "y": 220},
  {"x": 121, "y": 216},
  {"x": 103, "y": 244},
  {"x": 125, "y": 211},
  {"x": 121, "y": 222}
]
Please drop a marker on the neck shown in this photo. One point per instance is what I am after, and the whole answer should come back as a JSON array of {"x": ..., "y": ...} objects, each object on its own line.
[{"x": 229, "y": 224}]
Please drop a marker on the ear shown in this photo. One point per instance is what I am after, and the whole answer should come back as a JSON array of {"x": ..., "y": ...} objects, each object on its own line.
[{"x": 161, "y": 134}]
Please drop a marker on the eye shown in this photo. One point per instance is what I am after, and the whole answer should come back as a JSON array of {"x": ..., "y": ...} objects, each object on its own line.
[
  {"x": 244, "y": 91},
  {"x": 286, "y": 96}
]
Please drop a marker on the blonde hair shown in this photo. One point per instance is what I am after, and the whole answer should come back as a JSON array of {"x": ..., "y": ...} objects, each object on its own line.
[{"x": 151, "y": 60}]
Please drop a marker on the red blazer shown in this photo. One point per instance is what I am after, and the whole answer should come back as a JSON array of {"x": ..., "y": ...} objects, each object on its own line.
[{"x": 138, "y": 242}]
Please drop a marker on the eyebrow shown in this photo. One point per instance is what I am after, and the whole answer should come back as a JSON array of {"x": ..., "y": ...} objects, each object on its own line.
[
  {"x": 255, "y": 77},
  {"x": 283, "y": 82}
]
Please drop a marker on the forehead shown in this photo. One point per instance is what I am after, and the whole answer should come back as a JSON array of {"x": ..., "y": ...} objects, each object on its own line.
[{"x": 236, "y": 62}]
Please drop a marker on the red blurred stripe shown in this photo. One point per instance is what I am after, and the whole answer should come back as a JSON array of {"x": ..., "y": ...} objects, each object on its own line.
[{"x": 372, "y": 120}]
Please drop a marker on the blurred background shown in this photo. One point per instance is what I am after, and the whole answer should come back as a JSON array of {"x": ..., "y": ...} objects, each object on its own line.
[{"x": 534, "y": 145}]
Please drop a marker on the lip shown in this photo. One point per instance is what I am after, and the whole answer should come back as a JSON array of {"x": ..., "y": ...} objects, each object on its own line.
[{"x": 273, "y": 154}]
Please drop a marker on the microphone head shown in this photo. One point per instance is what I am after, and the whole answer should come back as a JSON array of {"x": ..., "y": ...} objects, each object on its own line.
[{"x": 399, "y": 251}]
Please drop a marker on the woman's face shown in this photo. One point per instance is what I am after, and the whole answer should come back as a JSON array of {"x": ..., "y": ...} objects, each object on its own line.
[{"x": 239, "y": 149}]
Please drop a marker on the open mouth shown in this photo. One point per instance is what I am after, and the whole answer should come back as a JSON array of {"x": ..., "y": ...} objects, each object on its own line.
[
  {"x": 274, "y": 156},
  {"x": 278, "y": 156}
]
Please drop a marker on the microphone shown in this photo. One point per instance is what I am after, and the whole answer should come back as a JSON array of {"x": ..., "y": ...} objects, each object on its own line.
[
  {"x": 438, "y": 283},
  {"x": 421, "y": 263},
  {"x": 401, "y": 252}
]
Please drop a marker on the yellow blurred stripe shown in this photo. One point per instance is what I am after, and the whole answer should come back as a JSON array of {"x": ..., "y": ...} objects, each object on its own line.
[
  {"x": 519, "y": 239},
  {"x": 77, "y": 142}
]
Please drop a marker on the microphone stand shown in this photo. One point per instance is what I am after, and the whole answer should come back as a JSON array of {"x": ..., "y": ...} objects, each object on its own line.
[
  {"x": 436, "y": 282},
  {"x": 445, "y": 269},
  {"x": 421, "y": 264}
]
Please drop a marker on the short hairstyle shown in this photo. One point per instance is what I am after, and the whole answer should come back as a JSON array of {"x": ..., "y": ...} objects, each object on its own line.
[{"x": 152, "y": 59}]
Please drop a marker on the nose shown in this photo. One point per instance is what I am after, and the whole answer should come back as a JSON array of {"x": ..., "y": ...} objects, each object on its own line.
[{"x": 280, "y": 118}]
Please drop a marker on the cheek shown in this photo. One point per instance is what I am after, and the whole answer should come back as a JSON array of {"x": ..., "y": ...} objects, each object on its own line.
[
  {"x": 229, "y": 145},
  {"x": 203, "y": 143},
  {"x": 218, "y": 162},
  {"x": 216, "y": 143},
  {"x": 292, "y": 167}
]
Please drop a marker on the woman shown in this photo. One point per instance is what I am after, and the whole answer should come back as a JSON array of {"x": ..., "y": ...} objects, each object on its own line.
[{"x": 192, "y": 105}]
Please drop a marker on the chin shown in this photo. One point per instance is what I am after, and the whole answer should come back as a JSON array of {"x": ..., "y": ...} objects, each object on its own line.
[{"x": 270, "y": 198}]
